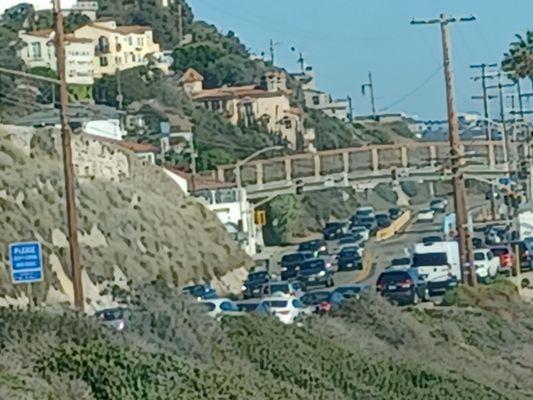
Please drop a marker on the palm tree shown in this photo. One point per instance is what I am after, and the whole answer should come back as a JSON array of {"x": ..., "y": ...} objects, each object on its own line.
[{"x": 518, "y": 62}]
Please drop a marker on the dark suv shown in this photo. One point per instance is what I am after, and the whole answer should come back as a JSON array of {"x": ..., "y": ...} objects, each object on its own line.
[
  {"x": 335, "y": 229},
  {"x": 402, "y": 287},
  {"x": 317, "y": 247},
  {"x": 315, "y": 273},
  {"x": 253, "y": 284},
  {"x": 290, "y": 263},
  {"x": 349, "y": 259}
]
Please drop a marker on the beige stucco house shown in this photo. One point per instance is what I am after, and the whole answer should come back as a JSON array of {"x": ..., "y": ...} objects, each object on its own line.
[
  {"x": 267, "y": 104},
  {"x": 38, "y": 51},
  {"x": 120, "y": 47}
]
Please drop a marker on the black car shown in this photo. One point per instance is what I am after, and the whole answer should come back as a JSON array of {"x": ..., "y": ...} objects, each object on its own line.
[
  {"x": 477, "y": 243},
  {"x": 322, "y": 301},
  {"x": 525, "y": 248},
  {"x": 201, "y": 291},
  {"x": 383, "y": 220},
  {"x": 349, "y": 259},
  {"x": 290, "y": 264},
  {"x": 253, "y": 284},
  {"x": 334, "y": 229},
  {"x": 315, "y": 273},
  {"x": 369, "y": 223},
  {"x": 402, "y": 287},
  {"x": 317, "y": 247},
  {"x": 394, "y": 213}
]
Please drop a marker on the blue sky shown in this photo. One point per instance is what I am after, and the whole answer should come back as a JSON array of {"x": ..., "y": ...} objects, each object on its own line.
[{"x": 344, "y": 39}]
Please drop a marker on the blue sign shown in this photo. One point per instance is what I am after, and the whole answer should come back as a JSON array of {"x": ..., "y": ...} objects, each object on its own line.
[{"x": 26, "y": 262}]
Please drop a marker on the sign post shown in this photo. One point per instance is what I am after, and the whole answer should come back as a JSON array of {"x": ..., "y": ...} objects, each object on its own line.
[{"x": 26, "y": 264}]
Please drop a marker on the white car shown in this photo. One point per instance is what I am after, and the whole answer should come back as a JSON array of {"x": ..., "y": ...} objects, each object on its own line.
[
  {"x": 282, "y": 289},
  {"x": 287, "y": 310},
  {"x": 438, "y": 205},
  {"x": 426, "y": 215},
  {"x": 486, "y": 264},
  {"x": 218, "y": 307}
]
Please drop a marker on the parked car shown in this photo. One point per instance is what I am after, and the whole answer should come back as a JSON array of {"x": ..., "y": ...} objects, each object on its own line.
[
  {"x": 222, "y": 306},
  {"x": 438, "y": 205},
  {"x": 425, "y": 215},
  {"x": 403, "y": 287},
  {"x": 369, "y": 223},
  {"x": 335, "y": 229},
  {"x": 287, "y": 310},
  {"x": 383, "y": 220},
  {"x": 283, "y": 289},
  {"x": 439, "y": 263},
  {"x": 260, "y": 307},
  {"x": 506, "y": 257},
  {"x": 317, "y": 247},
  {"x": 114, "y": 318},
  {"x": 495, "y": 235},
  {"x": 290, "y": 263},
  {"x": 322, "y": 302},
  {"x": 349, "y": 259},
  {"x": 395, "y": 213},
  {"x": 400, "y": 263},
  {"x": 363, "y": 212},
  {"x": 315, "y": 273},
  {"x": 360, "y": 230},
  {"x": 486, "y": 264},
  {"x": 254, "y": 283},
  {"x": 201, "y": 291}
]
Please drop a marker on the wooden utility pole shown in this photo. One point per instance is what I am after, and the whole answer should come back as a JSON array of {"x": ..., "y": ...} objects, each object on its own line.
[
  {"x": 272, "y": 51},
  {"x": 457, "y": 153},
  {"x": 70, "y": 193}
]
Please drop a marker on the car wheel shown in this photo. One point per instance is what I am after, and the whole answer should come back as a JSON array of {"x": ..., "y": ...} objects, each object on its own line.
[
  {"x": 416, "y": 299},
  {"x": 427, "y": 296},
  {"x": 330, "y": 283}
]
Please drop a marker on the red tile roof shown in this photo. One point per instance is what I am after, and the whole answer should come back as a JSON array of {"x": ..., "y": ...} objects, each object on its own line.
[
  {"x": 235, "y": 92},
  {"x": 123, "y": 30}
]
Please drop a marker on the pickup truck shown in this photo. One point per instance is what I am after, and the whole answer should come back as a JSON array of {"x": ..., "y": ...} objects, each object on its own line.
[{"x": 486, "y": 264}]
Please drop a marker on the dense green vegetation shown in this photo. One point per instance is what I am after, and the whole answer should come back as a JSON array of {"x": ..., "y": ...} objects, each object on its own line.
[
  {"x": 517, "y": 61},
  {"x": 369, "y": 350}
]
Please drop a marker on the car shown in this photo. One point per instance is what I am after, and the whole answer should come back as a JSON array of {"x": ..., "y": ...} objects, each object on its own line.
[
  {"x": 505, "y": 255},
  {"x": 283, "y": 289},
  {"x": 349, "y": 259},
  {"x": 315, "y": 273},
  {"x": 477, "y": 243},
  {"x": 383, "y": 220},
  {"x": 334, "y": 229},
  {"x": 425, "y": 215},
  {"x": 322, "y": 302},
  {"x": 400, "y": 263},
  {"x": 349, "y": 240},
  {"x": 114, "y": 318},
  {"x": 290, "y": 263},
  {"x": 438, "y": 205},
  {"x": 317, "y": 247},
  {"x": 369, "y": 223},
  {"x": 395, "y": 213},
  {"x": 439, "y": 263},
  {"x": 252, "y": 286},
  {"x": 495, "y": 235},
  {"x": 352, "y": 291},
  {"x": 217, "y": 307},
  {"x": 360, "y": 230},
  {"x": 260, "y": 307},
  {"x": 287, "y": 310},
  {"x": 486, "y": 265},
  {"x": 200, "y": 292},
  {"x": 363, "y": 212},
  {"x": 432, "y": 239},
  {"x": 403, "y": 287}
]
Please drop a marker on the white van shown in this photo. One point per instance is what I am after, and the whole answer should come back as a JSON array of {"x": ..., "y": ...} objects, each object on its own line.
[{"x": 439, "y": 263}]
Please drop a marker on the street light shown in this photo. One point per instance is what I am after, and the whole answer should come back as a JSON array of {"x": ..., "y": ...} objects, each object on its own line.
[{"x": 238, "y": 181}]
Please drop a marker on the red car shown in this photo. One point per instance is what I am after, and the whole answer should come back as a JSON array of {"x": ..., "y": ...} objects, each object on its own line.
[{"x": 505, "y": 253}]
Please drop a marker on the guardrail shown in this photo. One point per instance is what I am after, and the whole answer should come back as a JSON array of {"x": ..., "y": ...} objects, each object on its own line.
[
  {"x": 395, "y": 226},
  {"x": 367, "y": 267}
]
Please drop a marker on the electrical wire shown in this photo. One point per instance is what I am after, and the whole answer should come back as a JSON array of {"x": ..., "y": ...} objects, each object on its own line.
[{"x": 413, "y": 91}]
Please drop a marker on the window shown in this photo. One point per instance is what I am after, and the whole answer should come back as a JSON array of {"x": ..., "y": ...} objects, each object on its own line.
[
  {"x": 130, "y": 40},
  {"x": 288, "y": 124},
  {"x": 228, "y": 306},
  {"x": 103, "y": 61},
  {"x": 316, "y": 100},
  {"x": 36, "y": 49},
  {"x": 140, "y": 41},
  {"x": 133, "y": 57}
]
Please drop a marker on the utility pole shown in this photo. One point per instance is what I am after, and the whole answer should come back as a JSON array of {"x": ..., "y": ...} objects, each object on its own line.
[
  {"x": 370, "y": 85},
  {"x": 301, "y": 61},
  {"x": 457, "y": 152},
  {"x": 272, "y": 51},
  {"x": 350, "y": 106},
  {"x": 70, "y": 193},
  {"x": 505, "y": 136},
  {"x": 120, "y": 97},
  {"x": 180, "y": 23}
]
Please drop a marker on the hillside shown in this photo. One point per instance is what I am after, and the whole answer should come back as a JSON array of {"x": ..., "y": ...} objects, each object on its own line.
[
  {"x": 135, "y": 223},
  {"x": 479, "y": 347}
]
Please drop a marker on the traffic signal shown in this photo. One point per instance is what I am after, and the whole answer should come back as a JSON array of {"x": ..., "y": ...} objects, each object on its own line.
[{"x": 260, "y": 218}]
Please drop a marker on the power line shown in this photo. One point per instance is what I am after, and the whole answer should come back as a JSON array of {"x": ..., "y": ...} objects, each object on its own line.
[{"x": 415, "y": 90}]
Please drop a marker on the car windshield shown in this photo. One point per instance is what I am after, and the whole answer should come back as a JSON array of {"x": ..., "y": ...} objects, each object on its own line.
[
  {"x": 345, "y": 240},
  {"x": 279, "y": 287},
  {"x": 401, "y": 261},
  {"x": 430, "y": 259},
  {"x": 254, "y": 276},
  {"x": 479, "y": 256},
  {"x": 364, "y": 212},
  {"x": 348, "y": 291},
  {"x": 382, "y": 216},
  {"x": 292, "y": 257},
  {"x": 367, "y": 220},
  {"x": 395, "y": 276},
  {"x": 435, "y": 202},
  {"x": 277, "y": 303},
  {"x": 349, "y": 253},
  {"x": 110, "y": 315},
  {"x": 247, "y": 306},
  {"x": 426, "y": 211},
  {"x": 307, "y": 246},
  {"x": 228, "y": 306},
  {"x": 313, "y": 264},
  {"x": 359, "y": 229},
  {"x": 315, "y": 298},
  {"x": 296, "y": 303},
  {"x": 333, "y": 225},
  {"x": 500, "y": 251}
]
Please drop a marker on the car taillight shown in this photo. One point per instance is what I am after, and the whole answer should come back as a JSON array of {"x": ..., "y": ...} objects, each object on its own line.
[
  {"x": 283, "y": 312},
  {"x": 379, "y": 286},
  {"x": 325, "y": 306},
  {"x": 406, "y": 283}
]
